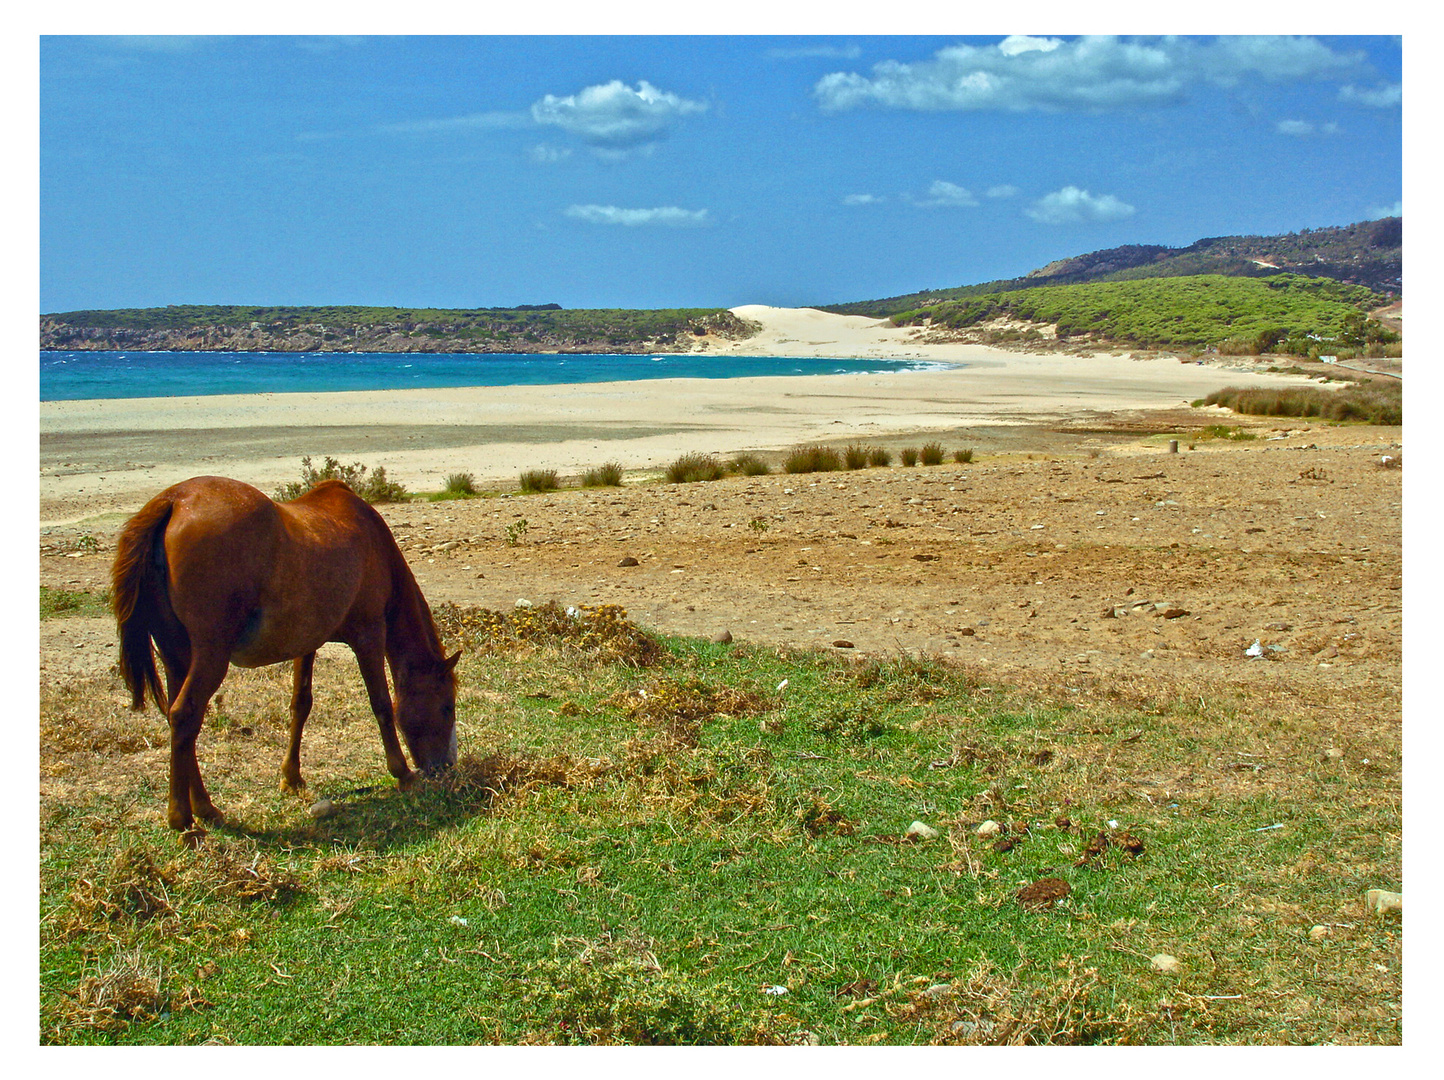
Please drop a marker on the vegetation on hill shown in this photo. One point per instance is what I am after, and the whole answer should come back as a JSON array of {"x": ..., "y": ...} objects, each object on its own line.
[
  {"x": 1284, "y": 313},
  {"x": 531, "y": 328},
  {"x": 1367, "y": 253}
]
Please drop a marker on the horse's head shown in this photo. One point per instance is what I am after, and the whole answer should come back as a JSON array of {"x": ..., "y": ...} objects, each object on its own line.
[{"x": 426, "y": 714}]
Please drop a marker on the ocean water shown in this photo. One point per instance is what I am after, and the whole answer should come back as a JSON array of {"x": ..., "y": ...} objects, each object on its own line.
[{"x": 75, "y": 376}]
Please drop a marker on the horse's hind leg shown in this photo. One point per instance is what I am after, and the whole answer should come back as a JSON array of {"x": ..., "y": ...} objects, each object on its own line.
[
  {"x": 188, "y": 796},
  {"x": 301, "y": 668}
]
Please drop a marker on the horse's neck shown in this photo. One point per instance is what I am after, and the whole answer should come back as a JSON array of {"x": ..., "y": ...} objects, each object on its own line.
[{"x": 411, "y": 636}]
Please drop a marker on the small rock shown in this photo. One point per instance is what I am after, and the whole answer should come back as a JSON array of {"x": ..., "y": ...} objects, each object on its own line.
[
  {"x": 1318, "y": 933},
  {"x": 922, "y": 832},
  {"x": 522, "y": 603},
  {"x": 1169, "y": 965},
  {"x": 724, "y": 638},
  {"x": 989, "y": 829},
  {"x": 1383, "y": 902},
  {"x": 1333, "y": 753},
  {"x": 629, "y": 561},
  {"x": 842, "y": 643},
  {"x": 322, "y": 809}
]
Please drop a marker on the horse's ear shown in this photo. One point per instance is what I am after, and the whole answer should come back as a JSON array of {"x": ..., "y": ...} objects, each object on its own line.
[{"x": 451, "y": 660}]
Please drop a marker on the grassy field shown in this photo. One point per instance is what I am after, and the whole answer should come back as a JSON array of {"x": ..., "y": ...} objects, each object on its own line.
[{"x": 669, "y": 840}]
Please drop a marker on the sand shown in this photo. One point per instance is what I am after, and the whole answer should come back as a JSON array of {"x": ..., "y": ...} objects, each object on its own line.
[{"x": 99, "y": 457}]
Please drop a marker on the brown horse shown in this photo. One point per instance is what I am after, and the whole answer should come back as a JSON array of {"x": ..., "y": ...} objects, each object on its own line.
[{"x": 215, "y": 573}]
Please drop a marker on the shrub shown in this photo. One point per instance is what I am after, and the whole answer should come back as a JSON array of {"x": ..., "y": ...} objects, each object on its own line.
[
  {"x": 909, "y": 455},
  {"x": 540, "y": 480},
  {"x": 462, "y": 483},
  {"x": 809, "y": 459},
  {"x": 749, "y": 464},
  {"x": 879, "y": 458},
  {"x": 932, "y": 453},
  {"x": 375, "y": 488},
  {"x": 608, "y": 475},
  {"x": 963, "y": 457},
  {"x": 1375, "y": 404},
  {"x": 693, "y": 468},
  {"x": 855, "y": 457}
]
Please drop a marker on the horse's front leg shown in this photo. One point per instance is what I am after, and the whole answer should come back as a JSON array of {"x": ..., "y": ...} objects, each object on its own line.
[
  {"x": 301, "y": 669},
  {"x": 188, "y": 796},
  {"x": 373, "y": 671}
]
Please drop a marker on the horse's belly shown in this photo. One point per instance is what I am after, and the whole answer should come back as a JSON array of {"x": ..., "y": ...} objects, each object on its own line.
[{"x": 267, "y": 640}]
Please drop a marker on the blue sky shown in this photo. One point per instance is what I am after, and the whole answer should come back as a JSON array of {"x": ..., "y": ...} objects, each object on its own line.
[{"x": 630, "y": 171}]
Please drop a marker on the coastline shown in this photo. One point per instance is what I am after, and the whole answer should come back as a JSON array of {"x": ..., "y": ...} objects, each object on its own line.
[{"x": 98, "y": 456}]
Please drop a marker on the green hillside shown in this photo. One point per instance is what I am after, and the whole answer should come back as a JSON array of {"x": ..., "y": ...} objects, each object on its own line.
[
  {"x": 1367, "y": 253},
  {"x": 1287, "y": 311},
  {"x": 384, "y": 329}
]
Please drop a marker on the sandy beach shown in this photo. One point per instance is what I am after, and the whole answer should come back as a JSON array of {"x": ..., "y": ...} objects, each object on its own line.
[{"x": 107, "y": 456}]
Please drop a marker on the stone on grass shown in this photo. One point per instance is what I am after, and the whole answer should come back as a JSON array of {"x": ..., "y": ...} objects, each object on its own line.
[
  {"x": 722, "y": 638},
  {"x": 922, "y": 831},
  {"x": 1169, "y": 965},
  {"x": 989, "y": 829},
  {"x": 1318, "y": 933},
  {"x": 322, "y": 809},
  {"x": 1383, "y": 902}
]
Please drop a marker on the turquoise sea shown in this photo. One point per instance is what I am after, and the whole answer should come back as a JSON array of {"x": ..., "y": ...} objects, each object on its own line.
[{"x": 74, "y": 376}]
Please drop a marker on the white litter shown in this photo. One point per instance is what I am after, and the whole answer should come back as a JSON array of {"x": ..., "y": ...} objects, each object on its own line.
[
  {"x": 1255, "y": 650},
  {"x": 774, "y": 991}
]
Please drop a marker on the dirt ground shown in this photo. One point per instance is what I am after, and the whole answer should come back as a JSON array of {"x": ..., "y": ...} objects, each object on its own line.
[{"x": 1061, "y": 559}]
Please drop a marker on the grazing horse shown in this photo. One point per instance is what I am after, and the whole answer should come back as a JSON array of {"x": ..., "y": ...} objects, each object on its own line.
[{"x": 215, "y": 573}]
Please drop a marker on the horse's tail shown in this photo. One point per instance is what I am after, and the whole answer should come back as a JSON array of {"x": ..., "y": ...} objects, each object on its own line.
[{"x": 140, "y": 599}]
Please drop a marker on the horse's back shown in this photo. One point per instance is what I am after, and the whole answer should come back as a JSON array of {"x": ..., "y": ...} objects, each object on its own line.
[{"x": 271, "y": 581}]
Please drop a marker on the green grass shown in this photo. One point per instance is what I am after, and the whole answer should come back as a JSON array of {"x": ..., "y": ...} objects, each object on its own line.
[
  {"x": 539, "y": 480},
  {"x": 695, "y": 468},
  {"x": 1378, "y": 403},
  {"x": 810, "y": 459},
  {"x": 60, "y": 602},
  {"x": 607, "y": 475},
  {"x": 749, "y": 464},
  {"x": 639, "y": 841}
]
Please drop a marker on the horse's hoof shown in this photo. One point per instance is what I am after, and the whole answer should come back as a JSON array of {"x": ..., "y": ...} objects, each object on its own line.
[
  {"x": 211, "y": 816},
  {"x": 293, "y": 787},
  {"x": 193, "y": 837},
  {"x": 407, "y": 782}
]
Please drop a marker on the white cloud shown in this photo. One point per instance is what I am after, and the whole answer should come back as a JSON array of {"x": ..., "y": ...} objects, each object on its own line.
[
  {"x": 1002, "y": 191},
  {"x": 1382, "y": 96},
  {"x": 830, "y": 52},
  {"x": 1071, "y": 205},
  {"x": 672, "y": 216},
  {"x": 943, "y": 193},
  {"x": 615, "y": 118},
  {"x": 1088, "y": 73},
  {"x": 1302, "y": 128},
  {"x": 1397, "y": 210},
  {"x": 487, "y": 121},
  {"x": 543, "y": 154},
  {"x": 862, "y": 200},
  {"x": 1021, "y": 43}
]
